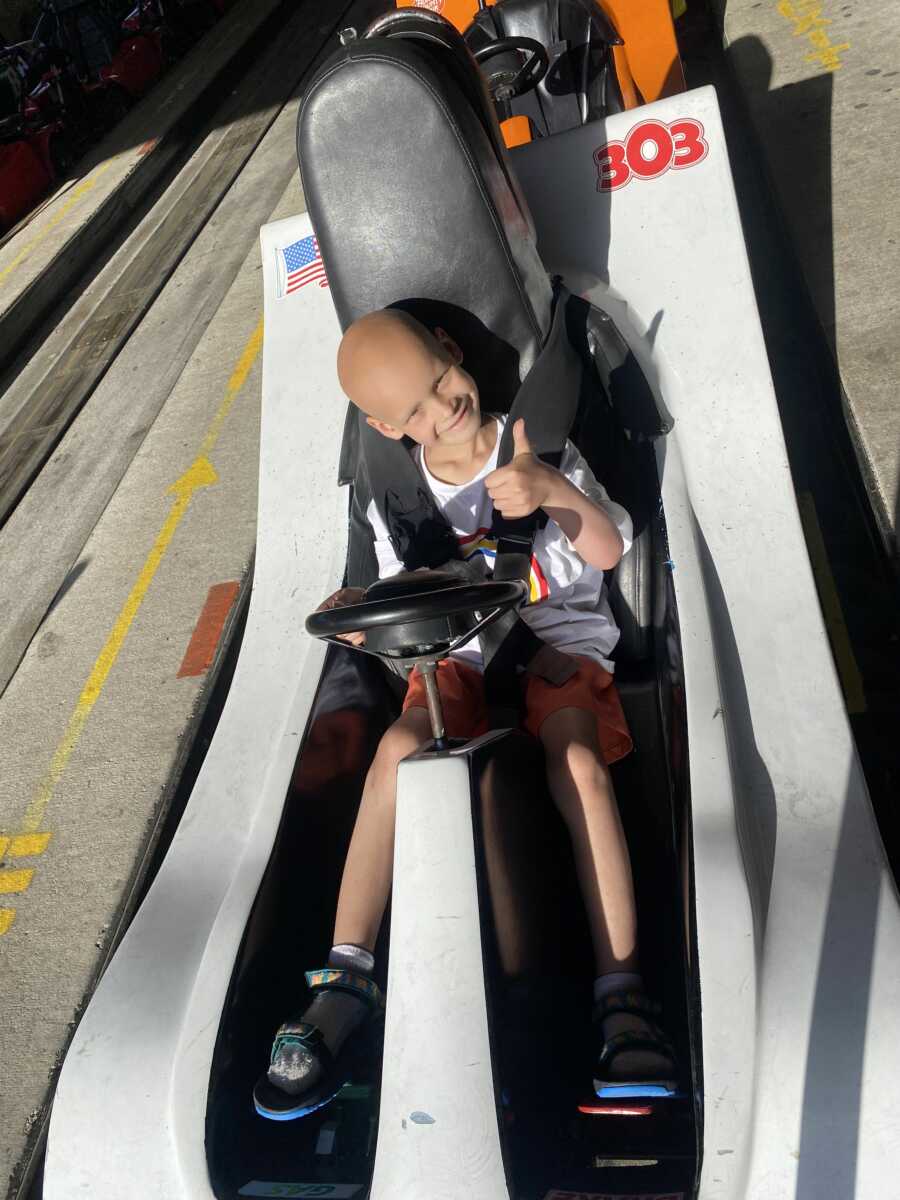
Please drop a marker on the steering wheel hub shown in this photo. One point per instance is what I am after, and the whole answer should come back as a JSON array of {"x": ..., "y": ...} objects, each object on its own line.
[
  {"x": 422, "y": 636},
  {"x": 419, "y": 613}
]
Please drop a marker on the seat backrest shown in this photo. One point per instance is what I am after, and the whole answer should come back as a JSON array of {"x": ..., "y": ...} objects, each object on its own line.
[
  {"x": 580, "y": 84},
  {"x": 411, "y": 198}
]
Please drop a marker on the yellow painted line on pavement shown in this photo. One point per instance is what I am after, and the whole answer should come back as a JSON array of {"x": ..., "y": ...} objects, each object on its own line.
[
  {"x": 7, "y": 916},
  {"x": 836, "y": 626},
  {"x": 200, "y": 474},
  {"x": 27, "y": 845},
  {"x": 810, "y": 22},
  {"x": 15, "y": 881},
  {"x": 235, "y": 383},
  {"x": 22, "y": 845},
  {"x": 85, "y": 186}
]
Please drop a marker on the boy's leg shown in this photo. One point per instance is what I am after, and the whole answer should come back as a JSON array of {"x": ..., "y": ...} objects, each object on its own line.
[
  {"x": 365, "y": 886},
  {"x": 582, "y": 789},
  {"x": 366, "y": 882}
]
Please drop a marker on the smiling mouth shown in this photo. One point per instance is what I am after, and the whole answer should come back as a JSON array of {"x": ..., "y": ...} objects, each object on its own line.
[{"x": 463, "y": 409}]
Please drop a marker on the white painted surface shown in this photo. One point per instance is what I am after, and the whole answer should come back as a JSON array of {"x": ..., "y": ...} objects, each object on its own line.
[
  {"x": 437, "y": 1132},
  {"x": 128, "y": 1119},
  {"x": 800, "y": 995}
]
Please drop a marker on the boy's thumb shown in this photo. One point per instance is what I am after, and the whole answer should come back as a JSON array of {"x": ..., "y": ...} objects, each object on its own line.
[{"x": 521, "y": 444}]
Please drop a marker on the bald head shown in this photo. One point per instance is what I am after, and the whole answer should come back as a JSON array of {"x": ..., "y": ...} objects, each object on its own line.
[
  {"x": 382, "y": 353},
  {"x": 407, "y": 380}
]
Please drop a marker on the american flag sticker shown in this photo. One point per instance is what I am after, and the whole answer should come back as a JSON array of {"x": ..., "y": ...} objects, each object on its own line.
[{"x": 299, "y": 264}]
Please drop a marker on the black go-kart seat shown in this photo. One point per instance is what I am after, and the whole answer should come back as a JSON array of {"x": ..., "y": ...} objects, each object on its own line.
[
  {"x": 418, "y": 201},
  {"x": 411, "y": 196},
  {"x": 445, "y": 44},
  {"x": 580, "y": 84}
]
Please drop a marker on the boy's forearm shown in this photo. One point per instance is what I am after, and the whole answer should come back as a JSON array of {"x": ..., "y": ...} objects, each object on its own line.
[{"x": 590, "y": 530}]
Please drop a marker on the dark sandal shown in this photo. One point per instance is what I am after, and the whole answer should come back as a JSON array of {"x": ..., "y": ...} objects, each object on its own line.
[
  {"x": 652, "y": 1038},
  {"x": 274, "y": 1102}
]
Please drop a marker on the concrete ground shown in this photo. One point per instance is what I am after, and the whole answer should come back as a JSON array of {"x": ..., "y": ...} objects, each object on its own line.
[
  {"x": 54, "y": 245},
  {"x": 821, "y": 81}
]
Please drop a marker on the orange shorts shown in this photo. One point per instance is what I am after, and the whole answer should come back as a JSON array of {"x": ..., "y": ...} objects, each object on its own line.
[{"x": 465, "y": 712}]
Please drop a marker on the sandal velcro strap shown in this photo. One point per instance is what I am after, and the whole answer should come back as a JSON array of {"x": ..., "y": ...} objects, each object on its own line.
[
  {"x": 653, "y": 1039},
  {"x": 637, "y": 1004},
  {"x": 300, "y": 1033},
  {"x": 335, "y": 979}
]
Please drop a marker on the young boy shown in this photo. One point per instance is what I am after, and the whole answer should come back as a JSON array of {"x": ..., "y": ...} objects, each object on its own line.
[{"x": 411, "y": 383}]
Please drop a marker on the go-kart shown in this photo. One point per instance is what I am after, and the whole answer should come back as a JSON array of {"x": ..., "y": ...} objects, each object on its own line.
[
  {"x": 174, "y": 26},
  {"x": 35, "y": 145},
  {"x": 626, "y": 48},
  {"x": 23, "y": 176},
  {"x": 770, "y": 926},
  {"x": 115, "y": 61}
]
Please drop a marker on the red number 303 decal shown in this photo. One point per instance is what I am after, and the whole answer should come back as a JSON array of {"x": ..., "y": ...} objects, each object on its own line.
[{"x": 651, "y": 149}]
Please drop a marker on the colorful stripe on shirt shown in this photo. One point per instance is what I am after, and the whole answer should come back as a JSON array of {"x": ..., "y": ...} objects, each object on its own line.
[{"x": 481, "y": 543}]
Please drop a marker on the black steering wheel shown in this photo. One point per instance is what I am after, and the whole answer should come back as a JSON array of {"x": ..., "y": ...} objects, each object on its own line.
[
  {"x": 508, "y": 79},
  {"x": 419, "y": 613}
]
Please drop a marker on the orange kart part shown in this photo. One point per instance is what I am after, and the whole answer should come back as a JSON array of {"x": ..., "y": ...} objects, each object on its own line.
[
  {"x": 650, "y": 53},
  {"x": 516, "y": 131},
  {"x": 647, "y": 65},
  {"x": 616, "y": 1110},
  {"x": 458, "y": 12}
]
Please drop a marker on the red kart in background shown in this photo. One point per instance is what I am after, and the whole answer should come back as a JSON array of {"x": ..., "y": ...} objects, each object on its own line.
[
  {"x": 87, "y": 62},
  {"x": 37, "y": 144},
  {"x": 115, "y": 59}
]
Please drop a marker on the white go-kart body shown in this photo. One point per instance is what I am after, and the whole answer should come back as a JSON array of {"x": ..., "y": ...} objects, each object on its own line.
[{"x": 790, "y": 919}]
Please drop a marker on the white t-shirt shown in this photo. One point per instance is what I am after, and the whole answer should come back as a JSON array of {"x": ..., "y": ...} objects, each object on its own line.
[{"x": 568, "y": 606}]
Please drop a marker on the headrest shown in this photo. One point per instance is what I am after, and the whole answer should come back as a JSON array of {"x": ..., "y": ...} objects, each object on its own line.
[{"x": 411, "y": 201}]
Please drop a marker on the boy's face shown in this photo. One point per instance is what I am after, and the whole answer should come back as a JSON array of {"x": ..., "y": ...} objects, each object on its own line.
[{"x": 413, "y": 386}]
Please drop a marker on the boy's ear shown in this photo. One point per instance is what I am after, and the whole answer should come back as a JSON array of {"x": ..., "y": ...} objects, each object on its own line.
[
  {"x": 449, "y": 345},
  {"x": 388, "y": 431}
]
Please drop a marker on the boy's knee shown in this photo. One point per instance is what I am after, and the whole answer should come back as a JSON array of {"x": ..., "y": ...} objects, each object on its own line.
[
  {"x": 403, "y": 738},
  {"x": 578, "y": 761}
]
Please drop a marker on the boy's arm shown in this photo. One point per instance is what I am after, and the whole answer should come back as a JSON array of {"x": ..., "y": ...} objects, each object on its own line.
[
  {"x": 587, "y": 526},
  {"x": 527, "y": 484}
]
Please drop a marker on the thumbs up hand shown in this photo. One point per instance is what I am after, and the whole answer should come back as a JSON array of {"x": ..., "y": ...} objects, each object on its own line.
[
  {"x": 521, "y": 444},
  {"x": 523, "y": 485}
]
